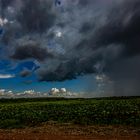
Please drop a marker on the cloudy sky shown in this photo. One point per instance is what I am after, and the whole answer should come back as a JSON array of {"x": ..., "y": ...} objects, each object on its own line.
[{"x": 82, "y": 45}]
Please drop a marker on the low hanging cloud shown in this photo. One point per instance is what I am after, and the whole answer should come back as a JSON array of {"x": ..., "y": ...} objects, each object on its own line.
[
  {"x": 29, "y": 50},
  {"x": 97, "y": 36},
  {"x": 25, "y": 72}
]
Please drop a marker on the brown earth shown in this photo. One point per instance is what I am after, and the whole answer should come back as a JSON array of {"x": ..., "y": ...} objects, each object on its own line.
[{"x": 52, "y": 131}]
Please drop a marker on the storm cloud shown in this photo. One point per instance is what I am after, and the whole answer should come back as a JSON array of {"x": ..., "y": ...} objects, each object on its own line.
[
  {"x": 30, "y": 50},
  {"x": 25, "y": 73},
  {"x": 36, "y": 16},
  {"x": 76, "y": 38}
]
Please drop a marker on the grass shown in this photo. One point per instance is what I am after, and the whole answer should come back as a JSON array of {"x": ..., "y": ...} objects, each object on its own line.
[{"x": 31, "y": 112}]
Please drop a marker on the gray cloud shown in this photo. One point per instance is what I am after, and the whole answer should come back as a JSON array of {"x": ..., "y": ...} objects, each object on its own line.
[
  {"x": 95, "y": 36},
  {"x": 25, "y": 73},
  {"x": 125, "y": 76},
  {"x": 5, "y": 3},
  {"x": 31, "y": 50},
  {"x": 36, "y": 16}
]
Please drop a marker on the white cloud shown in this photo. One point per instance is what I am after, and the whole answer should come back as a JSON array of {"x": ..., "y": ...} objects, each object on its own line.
[
  {"x": 58, "y": 34},
  {"x": 3, "y": 21},
  {"x": 6, "y": 76}
]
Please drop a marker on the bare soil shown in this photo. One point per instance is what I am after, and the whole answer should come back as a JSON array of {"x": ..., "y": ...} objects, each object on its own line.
[{"x": 52, "y": 131}]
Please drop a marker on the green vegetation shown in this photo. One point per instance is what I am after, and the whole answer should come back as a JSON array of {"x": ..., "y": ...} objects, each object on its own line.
[{"x": 29, "y": 112}]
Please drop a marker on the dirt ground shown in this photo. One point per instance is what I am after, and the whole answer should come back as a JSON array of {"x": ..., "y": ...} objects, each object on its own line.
[
  {"x": 54, "y": 131},
  {"x": 49, "y": 137}
]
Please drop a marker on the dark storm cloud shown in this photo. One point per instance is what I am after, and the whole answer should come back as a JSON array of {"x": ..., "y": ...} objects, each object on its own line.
[
  {"x": 85, "y": 2},
  {"x": 25, "y": 73},
  {"x": 8, "y": 35},
  {"x": 36, "y": 15},
  {"x": 5, "y": 3},
  {"x": 26, "y": 18},
  {"x": 123, "y": 28},
  {"x": 31, "y": 50},
  {"x": 111, "y": 47},
  {"x": 86, "y": 27},
  {"x": 119, "y": 35},
  {"x": 97, "y": 36},
  {"x": 125, "y": 76},
  {"x": 65, "y": 71}
]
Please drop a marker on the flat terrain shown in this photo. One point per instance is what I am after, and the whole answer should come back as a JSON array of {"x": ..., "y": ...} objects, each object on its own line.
[
  {"x": 70, "y": 119},
  {"x": 52, "y": 131}
]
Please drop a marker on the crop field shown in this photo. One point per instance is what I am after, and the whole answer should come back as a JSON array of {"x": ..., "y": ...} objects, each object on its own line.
[{"x": 18, "y": 113}]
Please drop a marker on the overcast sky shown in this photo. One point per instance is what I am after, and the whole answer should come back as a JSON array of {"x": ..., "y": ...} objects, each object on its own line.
[{"x": 83, "y": 45}]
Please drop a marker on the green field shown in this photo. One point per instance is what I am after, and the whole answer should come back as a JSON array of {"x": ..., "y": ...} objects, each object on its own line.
[{"x": 103, "y": 111}]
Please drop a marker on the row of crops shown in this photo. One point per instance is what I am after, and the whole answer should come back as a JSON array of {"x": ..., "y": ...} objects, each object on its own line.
[{"x": 20, "y": 113}]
